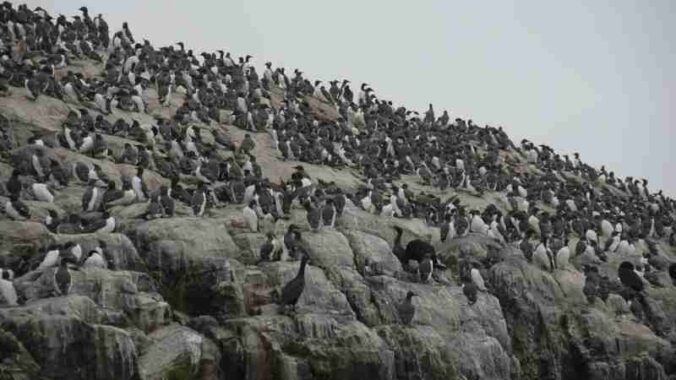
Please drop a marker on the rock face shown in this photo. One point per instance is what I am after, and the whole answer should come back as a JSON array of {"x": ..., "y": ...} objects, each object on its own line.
[{"x": 183, "y": 297}]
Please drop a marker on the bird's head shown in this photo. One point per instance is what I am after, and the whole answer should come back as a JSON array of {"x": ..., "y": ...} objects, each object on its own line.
[{"x": 626, "y": 265}]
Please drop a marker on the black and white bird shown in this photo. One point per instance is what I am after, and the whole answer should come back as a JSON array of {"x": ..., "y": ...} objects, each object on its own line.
[
  {"x": 51, "y": 258},
  {"x": 198, "y": 203},
  {"x": 63, "y": 280},
  {"x": 71, "y": 251},
  {"x": 339, "y": 201},
  {"x": 406, "y": 309},
  {"x": 52, "y": 220},
  {"x": 291, "y": 238},
  {"x": 105, "y": 225},
  {"x": 42, "y": 192},
  {"x": 562, "y": 256},
  {"x": 7, "y": 289},
  {"x": 314, "y": 216},
  {"x": 16, "y": 209},
  {"x": 91, "y": 197},
  {"x": 271, "y": 249},
  {"x": 250, "y": 216},
  {"x": 95, "y": 259},
  {"x": 154, "y": 209},
  {"x": 470, "y": 291},
  {"x": 592, "y": 281},
  {"x": 613, "y": 242},
  {"x": 166, "y": 201},
  {"x": 426, "y": 268},
  {"x": 139, "y": 186},
  {"x": 128, "y": 195},
  {"x": 543, "y": 256},
  {"x": 476, "y": 277},
  {"x": 329, "y": 213},
  {"x": 397, "y": 249},
  {"x": 447, "y": 229}
]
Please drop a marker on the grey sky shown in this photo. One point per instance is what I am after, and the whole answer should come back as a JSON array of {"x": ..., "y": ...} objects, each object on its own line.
[{"x": 595, "y": 77}]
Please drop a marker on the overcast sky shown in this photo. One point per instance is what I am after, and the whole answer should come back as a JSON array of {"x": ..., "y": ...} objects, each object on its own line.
[{"x": 597, "y": 77}]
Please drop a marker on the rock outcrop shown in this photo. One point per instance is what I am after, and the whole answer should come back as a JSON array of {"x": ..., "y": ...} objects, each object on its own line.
[{"x": 185, "y": 297}]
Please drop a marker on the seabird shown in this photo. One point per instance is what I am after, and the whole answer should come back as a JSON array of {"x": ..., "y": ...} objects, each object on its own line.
[
  {"x": 292, "y": 291},
  {"x": 16, "y": 209},
  {"x": 476, "y": 277},
  {"x": 562, "y": 256},
  {"x": 166, "y": 201},
  {"x": 591, "y": 283},
  {"x": 329, "y": 213},
  {"x": 62, "y": 278},
  {"x": 52, "y": 220},
  {"x": 470, "y": 291},
  {"x": 526, "y": 247},
  {"x": 154, "y": 209},
  {"x": 105, "y": 225},
  {"x": 291, "y": 238},
  {"x": 199, "y": 200},
  {"x": 139, "y": 186},
  {"x": 7, "y": 289},
  {"x": 314, "y": 217},
  {"x": 629, "y": 278},
  {"x": 339, "y": 201},
  {"x": 90, "y": 197},
  {"x": 406, "y": 309},
  {"x": 426, "y": 268},
  {"x": 128, "y": 196},
  {"x": 543, "y": 256},
  {"x": 14, "y": 183},
  {"x": 42, "y": 192},
  {"x": 397, "y": 249},
  {"x": 250, "y": 216},
  {"x": 95, "y": 260},
  {"x": 51, "y": 257}
]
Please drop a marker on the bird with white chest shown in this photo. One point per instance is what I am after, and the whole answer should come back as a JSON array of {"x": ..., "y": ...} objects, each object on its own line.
[
  {"x": 7, "y": 290},
  {"x": 42, "y": 192},
  {"x": 140, "y": 189},
  {"x": 476, "y": 277},
  {"x": 250, "y": 216},
  {"x": 95, "y": 259}
]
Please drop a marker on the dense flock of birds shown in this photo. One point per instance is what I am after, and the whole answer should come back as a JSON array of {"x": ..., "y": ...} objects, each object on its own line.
[{"x": 551, "y": 198}]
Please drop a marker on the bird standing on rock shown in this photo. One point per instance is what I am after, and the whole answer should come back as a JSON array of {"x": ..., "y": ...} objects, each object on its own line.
[
  {"x": 592, "y": 281},
  {"x": 95, "y": 260},
  {"x": 426, "y": 268},
  {"x": 470, "y": 291},
  {"x": 199, "y": 201},
  {"x": 294, "y": 289},
  {"x": 397, "y": 249},
  {"x": 250, "y": 216},
  {"x": 314, "y": 216},
  {"x": 329, "y": 213},
  {"x": 16, "y": 209},
  {"x": 406, "y": 309},
  {"x": 477, "y": 279},
  {"x": 629, "y": 278},
  {"x": 63, "y": 280},
  {"x": 270, "y": 249},
  {"x": 247, "y": 144},
  {"x": 7, "y": 290}
]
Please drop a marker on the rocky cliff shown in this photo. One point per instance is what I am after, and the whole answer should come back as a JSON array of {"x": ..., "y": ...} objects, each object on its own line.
[{"x": 186, "y": 297}]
